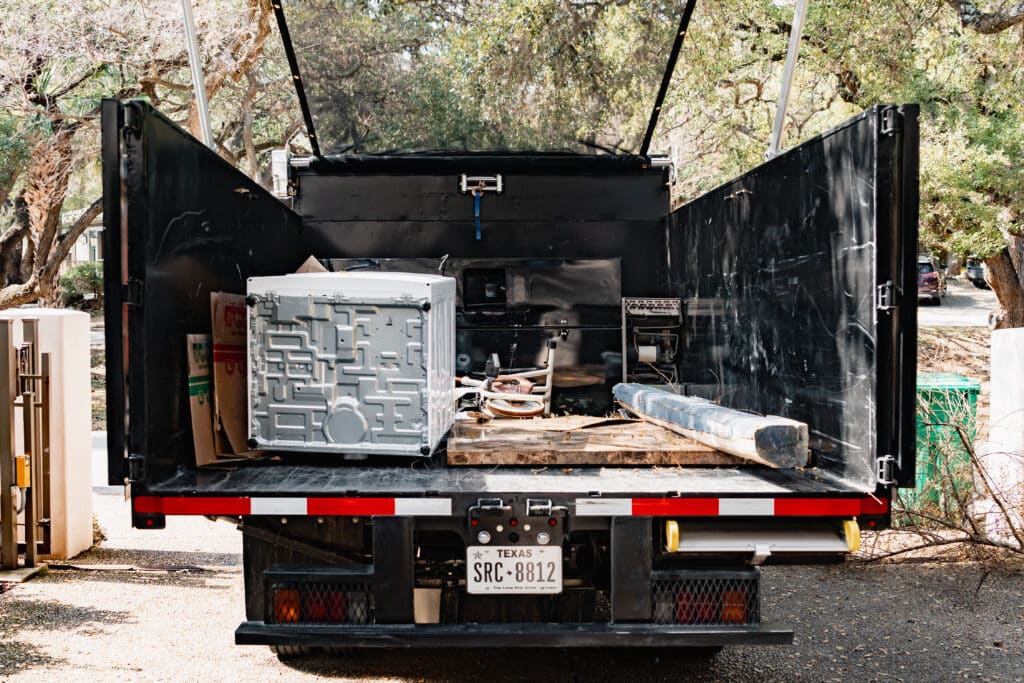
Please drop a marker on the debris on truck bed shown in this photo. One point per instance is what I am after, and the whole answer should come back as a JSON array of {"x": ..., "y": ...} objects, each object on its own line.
[
  {"x": 772, "y": 440},
  {"x": 577, "y": 440}
]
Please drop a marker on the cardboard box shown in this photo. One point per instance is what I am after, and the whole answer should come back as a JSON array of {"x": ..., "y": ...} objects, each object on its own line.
[
  {"x": 312, "y": 265},
  {"x": 200, "y": 397},
  {"x": 229, "y": 318}
]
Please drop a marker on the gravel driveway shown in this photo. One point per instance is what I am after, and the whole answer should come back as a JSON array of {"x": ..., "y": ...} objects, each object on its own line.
[
  {"x": 169, "y": 620},
  {"x": 963, "y": 306}
]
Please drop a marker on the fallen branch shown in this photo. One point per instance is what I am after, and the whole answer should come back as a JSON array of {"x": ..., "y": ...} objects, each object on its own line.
[{"x": 987, "y": 22}]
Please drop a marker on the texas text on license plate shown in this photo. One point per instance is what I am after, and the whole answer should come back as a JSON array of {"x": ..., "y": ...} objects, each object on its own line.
[{"x": 513, "y": 569}]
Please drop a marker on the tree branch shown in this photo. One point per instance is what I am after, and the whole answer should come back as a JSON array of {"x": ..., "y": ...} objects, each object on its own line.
[
  {"x": 64, "y": 244},
  {"x": 1005, "y": 282},
  {"x": 41, "y": 281},
  {"x": 987, "y": 22},
  {"x": 78, "y": 81}
]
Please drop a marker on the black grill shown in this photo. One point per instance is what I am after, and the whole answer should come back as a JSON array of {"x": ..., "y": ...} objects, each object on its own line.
[
  {"x": 300, "y": 602},
  {"x": 706, "y": 598}
]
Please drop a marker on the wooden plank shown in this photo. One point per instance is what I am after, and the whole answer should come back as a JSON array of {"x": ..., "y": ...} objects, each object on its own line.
[
  {"x": 765, "y": 440},
  {"x": 576, "y": 440}
]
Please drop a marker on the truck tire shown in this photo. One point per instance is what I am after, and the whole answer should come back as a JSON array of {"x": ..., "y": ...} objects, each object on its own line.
[{"x": 291, "y": 652}]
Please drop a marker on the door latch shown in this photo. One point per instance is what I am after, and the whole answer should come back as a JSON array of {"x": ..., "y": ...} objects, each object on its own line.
[{"x": 481, "y": 183}]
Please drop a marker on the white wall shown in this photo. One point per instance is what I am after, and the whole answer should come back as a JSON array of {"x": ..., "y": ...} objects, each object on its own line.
[{"x": 65, "y": 336}]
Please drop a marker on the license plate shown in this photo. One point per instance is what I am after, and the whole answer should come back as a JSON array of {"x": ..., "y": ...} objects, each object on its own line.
[{"x": 508, "y": 569}]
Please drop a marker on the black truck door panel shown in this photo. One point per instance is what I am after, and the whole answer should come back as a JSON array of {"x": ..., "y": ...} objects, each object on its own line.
[
  {"x": 179, "y": 222},
  {"x": 800, "y": 291}
]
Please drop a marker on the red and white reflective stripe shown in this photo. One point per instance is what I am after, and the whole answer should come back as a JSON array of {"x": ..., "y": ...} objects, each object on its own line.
[
  {"x": 730, "y": 507},
  {"x": 318, "y": 507},
  {"x": 442, "y": 507}
]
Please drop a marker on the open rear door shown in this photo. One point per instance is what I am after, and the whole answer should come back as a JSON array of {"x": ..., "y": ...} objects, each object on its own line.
[
  {"x": 180, "y": 222},
  {"x": 800, "y": 292}
]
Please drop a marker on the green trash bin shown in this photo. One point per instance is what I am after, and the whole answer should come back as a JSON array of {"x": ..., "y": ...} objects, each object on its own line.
[{"x": 945, "y": 401}]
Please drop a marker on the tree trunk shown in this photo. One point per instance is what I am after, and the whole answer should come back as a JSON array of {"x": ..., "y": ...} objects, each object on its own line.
[
  {"x": 12, "y": 243},
  {"x": 1007, "y": 283},
  {"x": 41, "y": 282},
  {"x": 45, "y": 191}
]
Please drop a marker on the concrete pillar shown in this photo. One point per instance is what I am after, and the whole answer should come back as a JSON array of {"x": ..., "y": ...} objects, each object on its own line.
[
  {"x": 64, "y": 335},
  {"x": 1003, "y": 454}
]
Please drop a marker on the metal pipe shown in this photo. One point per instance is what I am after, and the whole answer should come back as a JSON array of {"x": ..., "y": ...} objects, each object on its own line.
[
  {"x": 198, "y": 82},
  {"x": 666, "y": 77},
  {"x": 28, "y": 413},
  {"x": 44, "y": 443},
  {"x": 799, "y": 12}
]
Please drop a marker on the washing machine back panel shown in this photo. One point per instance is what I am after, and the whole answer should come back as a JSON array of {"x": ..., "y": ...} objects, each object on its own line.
[{"x": 351, "y": 363}]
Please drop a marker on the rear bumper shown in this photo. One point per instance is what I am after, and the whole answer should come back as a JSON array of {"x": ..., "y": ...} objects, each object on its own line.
[{"x": 511, "y": 635}]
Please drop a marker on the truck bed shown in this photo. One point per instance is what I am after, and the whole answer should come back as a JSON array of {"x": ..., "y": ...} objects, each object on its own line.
[{"x": 285, "y": 480}]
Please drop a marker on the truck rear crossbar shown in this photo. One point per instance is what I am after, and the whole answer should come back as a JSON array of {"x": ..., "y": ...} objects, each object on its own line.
[
  {"x": 511, "y": 635},
  {"x": 443, "y": 507}
]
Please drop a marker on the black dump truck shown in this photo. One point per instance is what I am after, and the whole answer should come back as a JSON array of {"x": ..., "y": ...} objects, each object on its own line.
[{"x": 792, "y": 290}]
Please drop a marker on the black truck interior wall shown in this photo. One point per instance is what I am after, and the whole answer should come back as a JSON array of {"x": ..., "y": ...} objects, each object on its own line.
[{"x": 779, "y": 270}]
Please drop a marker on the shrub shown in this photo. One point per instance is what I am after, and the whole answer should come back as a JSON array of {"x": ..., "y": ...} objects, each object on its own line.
[{"x": 82, "y": 286}]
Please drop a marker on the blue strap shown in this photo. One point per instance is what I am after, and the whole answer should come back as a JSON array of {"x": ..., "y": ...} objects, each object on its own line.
[{"x": 476, "y": 215}]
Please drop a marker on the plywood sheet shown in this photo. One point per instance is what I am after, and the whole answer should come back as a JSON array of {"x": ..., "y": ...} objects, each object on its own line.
[{"x": 576, "y": 440}]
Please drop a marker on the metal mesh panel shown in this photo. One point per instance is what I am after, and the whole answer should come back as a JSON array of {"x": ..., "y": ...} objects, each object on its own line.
[
  {"x": 320, "y": 603},
  {"x": 704, "y": 599}
]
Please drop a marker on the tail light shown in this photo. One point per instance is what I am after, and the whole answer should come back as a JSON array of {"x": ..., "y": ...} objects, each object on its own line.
[
  {"x": 694, "y": 607},
  {"x": 320, "y": 603},
  {"x": 324, "y": 608},
  {"x": 706, "y": 597},
  {"x": 734, "y": 607},
  {"x": 286, "y": 606}
]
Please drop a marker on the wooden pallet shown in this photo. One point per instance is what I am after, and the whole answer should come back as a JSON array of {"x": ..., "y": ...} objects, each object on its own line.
[{"x": 576, "y": 440}]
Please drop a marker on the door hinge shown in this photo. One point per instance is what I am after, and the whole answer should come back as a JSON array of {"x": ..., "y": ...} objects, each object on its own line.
[
  {"x": 131, "y": 117},
  {"x": 886, "y": 466},
  {"x": 136, "y": 467},
  {"x": 131, "y": 292},
  {"x": 885, "y": 296},
  {"x": 892, "y": 121}
]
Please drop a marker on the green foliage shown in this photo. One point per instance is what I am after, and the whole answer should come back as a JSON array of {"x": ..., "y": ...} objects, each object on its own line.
[
  {"x": 80, "y": 281},
  {"x": 14, "y": 147},
  {"x": 482, "y": 74},
  {"x": 855, "y": 54},
  {"x": 401, "y": 75}
]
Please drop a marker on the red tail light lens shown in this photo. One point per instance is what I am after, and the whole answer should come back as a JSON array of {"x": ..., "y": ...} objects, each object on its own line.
[
  {"x": 324, "y": 608},
  {"x": 695, "y": 608},
  {"x": 734, "y": 607}
]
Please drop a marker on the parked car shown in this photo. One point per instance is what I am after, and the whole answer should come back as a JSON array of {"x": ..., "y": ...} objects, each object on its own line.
[
  {"x": 976, "y": 272},
  {"x": 931, "y": 281}
]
